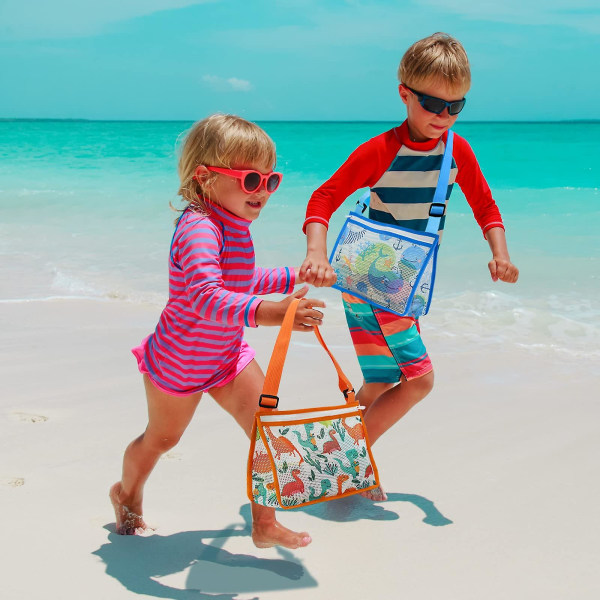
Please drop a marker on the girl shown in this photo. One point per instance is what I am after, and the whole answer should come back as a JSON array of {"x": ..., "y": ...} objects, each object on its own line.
[{"x": 226, "y": 177}]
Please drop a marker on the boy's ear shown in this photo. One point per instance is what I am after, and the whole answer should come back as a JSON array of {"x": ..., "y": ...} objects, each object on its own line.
[{"x": 403, "y": 93}]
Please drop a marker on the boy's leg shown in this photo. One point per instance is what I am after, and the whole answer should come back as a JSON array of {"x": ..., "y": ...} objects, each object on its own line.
[
  {"x": 240, "y": 399},
  {"x": 389, "y": 350},
  {"x": 168, "y": 417},
  {"x": 391, "y": 405},
  {"x": 404, "y": 344}
]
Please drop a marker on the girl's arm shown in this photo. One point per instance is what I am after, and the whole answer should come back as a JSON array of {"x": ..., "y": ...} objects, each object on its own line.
[
  {"x": 280, "y": 280},
  {"x": 272, "y": 313},
  {"x": 197, "y": 250}
]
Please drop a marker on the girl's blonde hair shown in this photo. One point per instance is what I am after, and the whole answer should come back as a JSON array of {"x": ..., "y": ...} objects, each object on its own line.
[
  {"x": 220, "y": 141},
  {"x": 437, "y": 57}
]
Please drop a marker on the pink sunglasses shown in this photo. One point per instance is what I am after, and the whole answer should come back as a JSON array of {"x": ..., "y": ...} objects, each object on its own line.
[{"x": 251, "y": 180}]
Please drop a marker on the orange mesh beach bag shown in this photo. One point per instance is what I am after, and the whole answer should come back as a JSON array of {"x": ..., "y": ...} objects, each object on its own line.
[{"x": 300, "y": 457}]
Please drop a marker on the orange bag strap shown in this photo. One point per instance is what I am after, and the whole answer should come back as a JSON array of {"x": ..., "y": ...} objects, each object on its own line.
[{"x": 269, "y": 397}]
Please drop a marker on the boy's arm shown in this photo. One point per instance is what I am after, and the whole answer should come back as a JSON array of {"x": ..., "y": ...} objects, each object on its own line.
[
  {"x": 363, "y": 168},
  {"x": 500, "y": 266},
  {"x": 316, "y": 268},
  {"x": 479, "y": 196}
]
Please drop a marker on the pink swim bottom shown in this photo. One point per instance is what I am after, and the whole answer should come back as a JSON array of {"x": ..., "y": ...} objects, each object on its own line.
[{"x": 245, "y": 357}]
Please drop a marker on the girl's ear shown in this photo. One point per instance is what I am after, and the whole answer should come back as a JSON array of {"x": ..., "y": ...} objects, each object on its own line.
[
  {"x": 403, "y": 93},
  {"x": 201, "y": 173}
]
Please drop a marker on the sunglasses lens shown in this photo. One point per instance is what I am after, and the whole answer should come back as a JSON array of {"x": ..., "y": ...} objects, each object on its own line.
[
  {"x": 273, "y": 182},
  {"x": 252, "y": 181},
  {"x": 456, "y": 107},
  {"x": 433, "y": 105}
]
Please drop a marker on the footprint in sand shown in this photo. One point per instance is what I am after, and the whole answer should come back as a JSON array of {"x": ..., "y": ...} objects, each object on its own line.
[
  {"x": 172, "y": 456},
  {"x": 29, "y": 418},
  {"x": 16, "y": 482}
]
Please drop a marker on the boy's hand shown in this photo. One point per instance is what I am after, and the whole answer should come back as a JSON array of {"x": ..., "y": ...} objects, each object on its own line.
[
  {"x": 316, "y": 270},
  {"x": 306, "y": 317},
  {"x": 503, "y": 269}
]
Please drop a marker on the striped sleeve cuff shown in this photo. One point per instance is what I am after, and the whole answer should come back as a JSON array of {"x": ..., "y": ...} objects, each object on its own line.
[
  {"x": 291, "y": 279},
  {"x": 491, "y": 226},
  {"x": 250, "y": 314},
  {"x": 315, "y": 220}
]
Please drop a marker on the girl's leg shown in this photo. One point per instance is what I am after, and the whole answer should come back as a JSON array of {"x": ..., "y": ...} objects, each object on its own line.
[
  {"x": 168, "y": 417},
  {"x": 240, "y": 399},
  {"x": 385, "y": 406}
]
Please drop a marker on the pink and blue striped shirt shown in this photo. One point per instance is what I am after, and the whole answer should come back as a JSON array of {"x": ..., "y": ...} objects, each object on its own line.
[{"x": 213, "y": 288}]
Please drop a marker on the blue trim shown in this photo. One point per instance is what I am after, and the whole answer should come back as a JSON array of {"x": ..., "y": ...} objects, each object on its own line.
[
  {"x": 173, "y": 239},
  {"x": 248, "y": 310},
  {"x": 288, "y": 277},
  {"x": 396, "y": 230}
]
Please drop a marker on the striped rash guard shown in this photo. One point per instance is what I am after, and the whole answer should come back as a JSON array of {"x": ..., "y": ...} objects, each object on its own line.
[
  {"x": 213, "y": 286},
  {"x": 403, "y": 175}
]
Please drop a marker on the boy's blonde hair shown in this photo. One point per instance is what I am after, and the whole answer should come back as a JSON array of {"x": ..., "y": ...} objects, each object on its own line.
[
  {"x": 437, "y": 57},
  {"x": 220, "y": 141}
]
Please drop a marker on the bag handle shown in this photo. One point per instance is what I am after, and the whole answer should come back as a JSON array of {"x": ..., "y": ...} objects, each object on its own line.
[{"x": 269, "y": 397}]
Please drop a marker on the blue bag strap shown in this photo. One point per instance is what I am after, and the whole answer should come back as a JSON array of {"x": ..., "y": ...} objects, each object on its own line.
[{"x": 438, "y": 206}]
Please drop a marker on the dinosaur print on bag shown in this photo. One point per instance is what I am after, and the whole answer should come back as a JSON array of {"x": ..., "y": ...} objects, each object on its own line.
[{"x": 311, "y": 460}]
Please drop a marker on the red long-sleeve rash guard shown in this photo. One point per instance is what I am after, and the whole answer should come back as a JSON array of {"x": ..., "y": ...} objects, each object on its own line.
[{"x": 365, "y": 166}]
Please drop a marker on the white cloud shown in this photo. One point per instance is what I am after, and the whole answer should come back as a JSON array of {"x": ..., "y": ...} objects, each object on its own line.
[
  {"x": 232, "y": 84},
  {"x": 48, "y": 19}
]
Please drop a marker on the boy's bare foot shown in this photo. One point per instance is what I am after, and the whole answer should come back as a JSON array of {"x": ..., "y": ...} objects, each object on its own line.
[
  {"x": 376, "y": 494},
  {"x": 266, "y": 534},
  {"x": 129, "y": 522}
]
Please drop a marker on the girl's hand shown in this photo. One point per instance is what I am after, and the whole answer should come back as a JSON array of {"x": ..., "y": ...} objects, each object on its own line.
[
  {"x": 316, "y": 270},
  {"x": 306, "y": 317},
  {"x": 503, "y": 269}
]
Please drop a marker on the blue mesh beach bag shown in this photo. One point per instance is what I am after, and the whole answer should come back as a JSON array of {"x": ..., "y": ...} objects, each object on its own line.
[{"x": 390, "y": 266}]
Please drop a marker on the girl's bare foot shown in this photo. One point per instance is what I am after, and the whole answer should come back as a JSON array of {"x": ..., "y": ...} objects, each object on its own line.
[
  {"x": 266, "y": 534},
  {"x": 376, "y": 494},
  {"x": 129, "y": 522}
]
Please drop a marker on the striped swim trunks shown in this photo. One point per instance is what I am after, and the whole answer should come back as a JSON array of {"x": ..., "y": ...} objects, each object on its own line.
[{"x": 387, "y": 346}]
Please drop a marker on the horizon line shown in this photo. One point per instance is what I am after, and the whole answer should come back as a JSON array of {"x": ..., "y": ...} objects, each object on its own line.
[{"x": 83, "y": 120}]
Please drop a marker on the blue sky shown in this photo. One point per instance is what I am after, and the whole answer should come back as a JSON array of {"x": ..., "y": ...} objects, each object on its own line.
[{"x": 289, "y": 59}]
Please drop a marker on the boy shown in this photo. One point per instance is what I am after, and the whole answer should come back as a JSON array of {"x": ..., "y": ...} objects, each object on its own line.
[{"x": 401, "y": 166}]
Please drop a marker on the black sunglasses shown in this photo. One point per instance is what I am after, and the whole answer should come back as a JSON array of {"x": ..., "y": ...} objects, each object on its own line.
[{"x": 437, "y": 105}]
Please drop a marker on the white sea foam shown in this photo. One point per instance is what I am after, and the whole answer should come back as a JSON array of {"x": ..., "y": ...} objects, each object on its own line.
[{"x": 74, "y": 285}]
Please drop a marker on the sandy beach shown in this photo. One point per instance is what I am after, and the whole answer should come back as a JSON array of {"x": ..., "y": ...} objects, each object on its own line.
[{"x": 492, "y": 480}]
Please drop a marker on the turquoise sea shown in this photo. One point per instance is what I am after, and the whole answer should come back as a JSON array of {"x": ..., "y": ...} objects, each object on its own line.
[{"x": 84, "y": 212}]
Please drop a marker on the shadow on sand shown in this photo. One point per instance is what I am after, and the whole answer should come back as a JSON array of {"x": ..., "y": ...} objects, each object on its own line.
[
  {"x": 216, "y": 574},
  {"x": 356, "y": 507},
  {"x": 138, "y": 563}
]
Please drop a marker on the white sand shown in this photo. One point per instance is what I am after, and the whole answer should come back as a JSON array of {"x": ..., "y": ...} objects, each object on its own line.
[{"x": 493, "y": 480}]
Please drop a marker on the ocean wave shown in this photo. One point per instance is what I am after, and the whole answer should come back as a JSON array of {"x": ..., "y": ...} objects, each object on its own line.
[{"x": 537, "y": 324}]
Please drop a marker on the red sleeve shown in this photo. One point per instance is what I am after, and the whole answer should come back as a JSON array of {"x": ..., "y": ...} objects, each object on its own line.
[
  {"x": 363, "y": 168},
  {"x": 474, "y": 186}
]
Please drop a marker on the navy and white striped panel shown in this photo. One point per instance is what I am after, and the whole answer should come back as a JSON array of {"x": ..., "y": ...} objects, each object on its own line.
[{"x": 403, "y": 194}]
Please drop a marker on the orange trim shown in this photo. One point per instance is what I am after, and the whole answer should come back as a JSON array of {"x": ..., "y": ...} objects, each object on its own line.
[
  {"x": 305, "y": 410},
  {"x": 347, "y": 493},
  {"x": 313, "y": 420}
]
